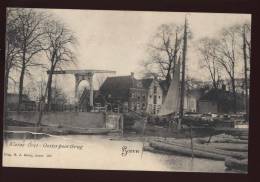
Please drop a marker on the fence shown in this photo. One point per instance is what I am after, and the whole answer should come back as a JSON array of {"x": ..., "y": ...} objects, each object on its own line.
[{"x": 33, "y": 106}]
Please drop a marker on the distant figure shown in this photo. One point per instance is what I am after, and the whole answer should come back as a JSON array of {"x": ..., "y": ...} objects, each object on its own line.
[{"x": 170, "y": 120}]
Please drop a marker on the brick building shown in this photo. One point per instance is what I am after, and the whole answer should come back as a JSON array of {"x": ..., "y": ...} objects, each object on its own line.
[{"x": 125, "y": 92}]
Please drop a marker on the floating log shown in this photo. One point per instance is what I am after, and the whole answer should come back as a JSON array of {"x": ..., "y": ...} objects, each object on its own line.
[
  {"x": 186, "y": 151},
  {"x": 151, "y": 149},
  {"x": 222, "y": 140},
  {"x": 237, "y": 147},
  {"x": 210, "y": 149},
  {"x": 243, "y": 137},
  {"x": 25, "y": 135},
  {"x": 65, "y": 130},
  {"x": 22, "y": 128},
  {"x": 227, "y": 140},
  {"x": 231, "y": 147},
  {"x": 232, "y": 163},
  {"x": 73, "y": 131}
]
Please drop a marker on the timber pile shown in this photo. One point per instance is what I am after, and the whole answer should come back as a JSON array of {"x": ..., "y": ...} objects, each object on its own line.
[
  {"x": 185, "y": 151},
  {"x": 151, "y": 149},
  {"x": 196, "y": 147},
  {"x": 230, "y": 147},
  {"x": 222, "y": 147},
  {"x": 237, "y": 141},
  {"x": 223, "y": 138},
  {"x": 243, "y": 137},
  {"x": 235, "y": 164}
]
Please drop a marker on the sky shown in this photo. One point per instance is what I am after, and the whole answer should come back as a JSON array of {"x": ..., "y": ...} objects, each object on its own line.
[{"x": 117, "y": 40}]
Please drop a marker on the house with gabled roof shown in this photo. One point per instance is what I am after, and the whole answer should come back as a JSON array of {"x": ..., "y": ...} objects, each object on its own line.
[
  {"x": 131, "y": 94},
  {"x": 220, "y": 101},
  {"x": 154, "y": 95},
  {"x": 125, "y": 92}
]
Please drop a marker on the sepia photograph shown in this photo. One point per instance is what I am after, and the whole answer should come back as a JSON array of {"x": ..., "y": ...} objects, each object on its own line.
[{"x": 126, "y": 90}]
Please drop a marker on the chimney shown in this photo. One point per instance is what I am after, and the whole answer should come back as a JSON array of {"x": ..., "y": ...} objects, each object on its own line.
[
  {"x": 155, "y": 77},
  {"x": 132, "y": 74},
  {"x": 133, "y": 84}
]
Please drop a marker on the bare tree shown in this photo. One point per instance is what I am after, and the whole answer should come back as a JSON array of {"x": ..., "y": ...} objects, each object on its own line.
[
  {"x": 36, "y": 87},
  {"x": 41, "y": 85},
  {"x": 29, "y": 30},
  {"x": 59, "y": 40},
  {"x": 227, "y": 56},
  {"x": 164, "y": 51},
  {"x": 58, "y": 95},
  {"x": 246, "y": 34},
  {"x": 12, "y": 51},
  {"x": 227, "y": 51},
  {"x": 207, "y": 48}
]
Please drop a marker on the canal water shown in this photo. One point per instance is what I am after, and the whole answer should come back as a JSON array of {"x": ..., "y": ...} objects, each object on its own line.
[{"x": 98, "y": 152}]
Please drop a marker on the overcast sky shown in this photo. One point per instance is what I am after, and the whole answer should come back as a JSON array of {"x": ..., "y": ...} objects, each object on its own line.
[{"x": 117, "y": 40}]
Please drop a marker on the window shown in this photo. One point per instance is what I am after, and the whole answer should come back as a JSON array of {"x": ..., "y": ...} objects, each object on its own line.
[
  {"x": 154, "y": 89},
  {"x": 154, "y": 109},
  {"x": 155, "y": 100}
]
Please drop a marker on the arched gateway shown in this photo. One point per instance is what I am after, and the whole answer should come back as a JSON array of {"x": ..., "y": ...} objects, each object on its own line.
[{"x": 81, "y": 75}]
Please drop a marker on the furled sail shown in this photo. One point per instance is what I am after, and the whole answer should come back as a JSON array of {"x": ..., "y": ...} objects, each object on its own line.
[{"x": 171, "y": 101}]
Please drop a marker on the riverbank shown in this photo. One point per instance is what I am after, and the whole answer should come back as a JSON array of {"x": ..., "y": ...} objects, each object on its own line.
[
  {"x": 144, "y": 143},
  {"x": 206, "y": 142},
  {"x": 100, "y": 152}
]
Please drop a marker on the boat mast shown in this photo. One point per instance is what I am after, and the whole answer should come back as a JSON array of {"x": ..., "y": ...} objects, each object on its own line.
[
  {"x": 184, "y": 49},
  {"x": 245, "y": 71}
]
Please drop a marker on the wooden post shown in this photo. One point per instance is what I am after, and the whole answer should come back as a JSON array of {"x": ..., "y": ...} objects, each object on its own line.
[
  {"x": 191, "y": 142},
  {"x": 122, "y": 124},
  {"x": 211, "y": 134},
  {"x": 91, "y": 93},
  {"x": 145, "y": 120},
  {"x": 179, "y": 123},
  {"x": 245, "y": 74},
  {"x": 183, "y": 73}
]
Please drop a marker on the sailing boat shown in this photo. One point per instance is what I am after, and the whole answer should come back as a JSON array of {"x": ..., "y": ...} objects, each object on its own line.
[{"x": 172, "y": 99}]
